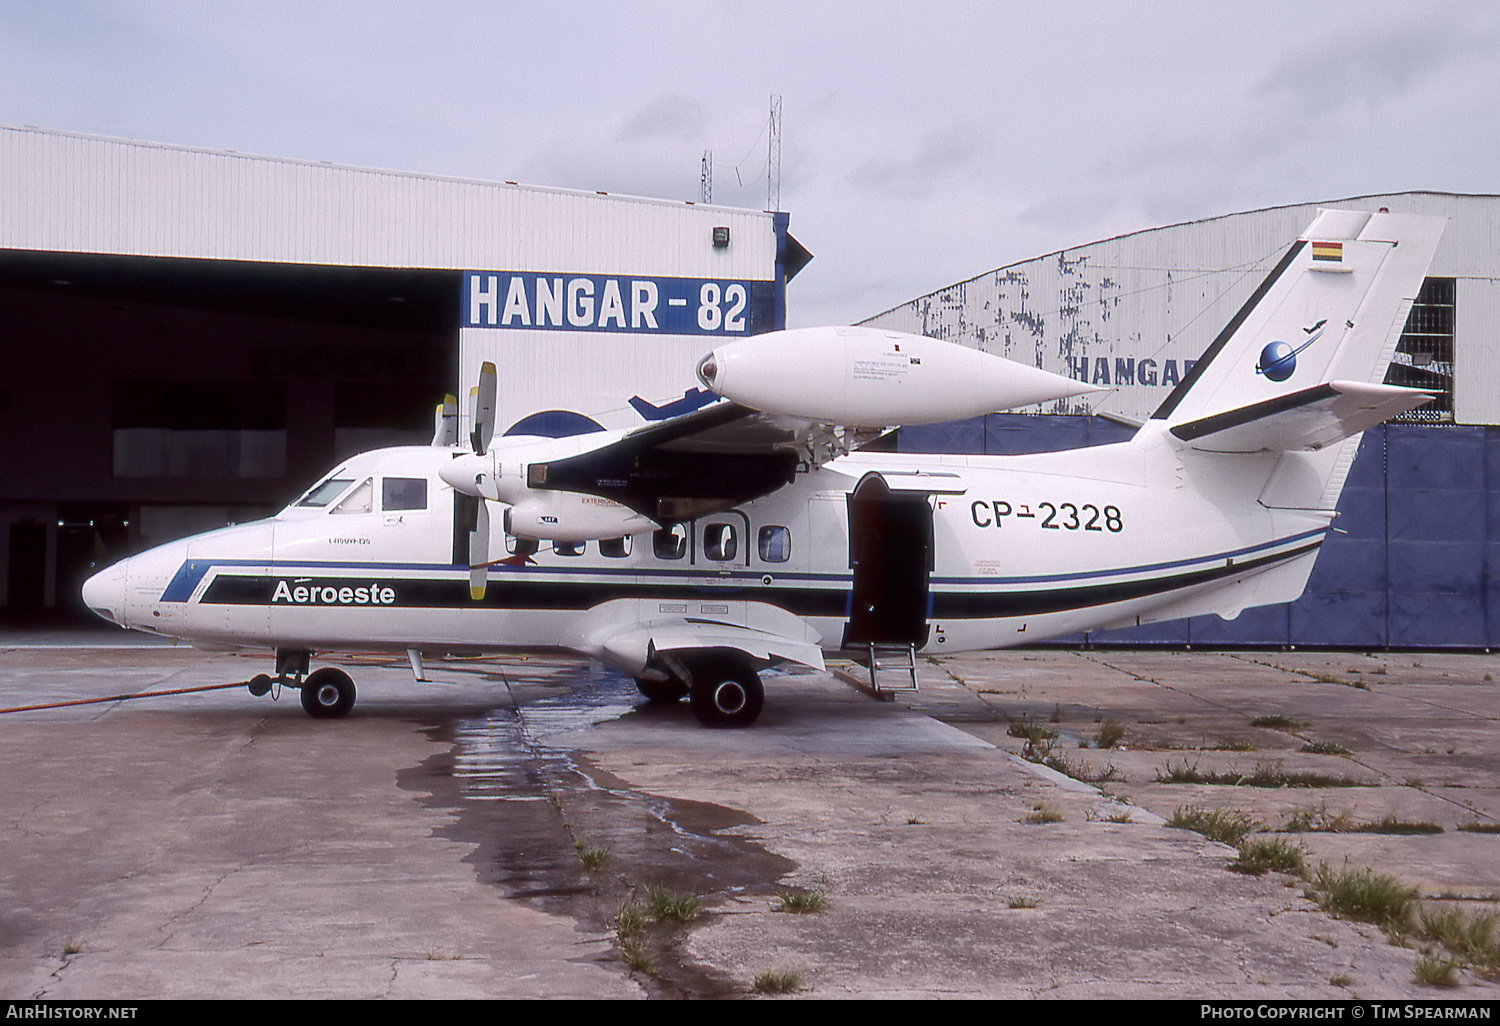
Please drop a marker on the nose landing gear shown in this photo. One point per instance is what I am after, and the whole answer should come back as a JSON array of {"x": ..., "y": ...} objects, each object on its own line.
[{"x": 327, "y": 693}]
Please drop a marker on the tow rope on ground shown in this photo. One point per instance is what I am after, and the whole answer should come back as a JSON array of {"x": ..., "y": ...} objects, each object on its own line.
[{"x": 126, "y": 698}]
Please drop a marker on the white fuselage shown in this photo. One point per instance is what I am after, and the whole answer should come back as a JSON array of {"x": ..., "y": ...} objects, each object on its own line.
[{"x": 1024, "y": 548}]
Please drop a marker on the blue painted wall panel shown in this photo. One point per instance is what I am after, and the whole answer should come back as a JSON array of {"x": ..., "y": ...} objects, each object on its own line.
[
  {"x": 1447, "y": 568},
  {"x": 964, "y": 437},
  {"x": 1264, "y": 625},
  {"x": 1453, "y": 515},
  {"x": 1454, "y": 463},
  {"x": 1168, "y": 632},
  {"x": 1350, "y": 619},
  {"x": 1368, "y": 470},
  {"x": 1361, "y": 514},
  {"x": 1426, "y": 620},
  {"x": 1349, "y": 564}
]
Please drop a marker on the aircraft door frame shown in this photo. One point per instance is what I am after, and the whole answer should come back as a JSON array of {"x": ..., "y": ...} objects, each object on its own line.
[{"x": 891, "y": 556}]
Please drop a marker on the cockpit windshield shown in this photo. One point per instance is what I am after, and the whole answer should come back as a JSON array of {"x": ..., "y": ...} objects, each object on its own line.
[{"x": 325, "y": 493}]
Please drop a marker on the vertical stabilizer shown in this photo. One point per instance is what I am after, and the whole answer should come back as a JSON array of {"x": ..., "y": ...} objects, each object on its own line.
[{"x": 1331, "y": 310}]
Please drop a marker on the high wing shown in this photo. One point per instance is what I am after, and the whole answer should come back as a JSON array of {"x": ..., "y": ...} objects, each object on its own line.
[
  {"x": 792, "y": 399},
  {"x": 699, "y": 463}
]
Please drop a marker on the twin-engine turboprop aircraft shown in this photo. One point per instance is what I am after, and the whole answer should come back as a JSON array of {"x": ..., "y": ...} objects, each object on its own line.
[{"x": 695, "y": 551}]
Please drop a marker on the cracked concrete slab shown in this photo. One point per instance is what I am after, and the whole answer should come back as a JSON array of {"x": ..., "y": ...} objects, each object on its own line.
[{"x": 218, "y": 845}]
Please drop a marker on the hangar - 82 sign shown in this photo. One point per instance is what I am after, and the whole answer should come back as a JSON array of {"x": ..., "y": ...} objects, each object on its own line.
[{"x": 594, "y": 302}]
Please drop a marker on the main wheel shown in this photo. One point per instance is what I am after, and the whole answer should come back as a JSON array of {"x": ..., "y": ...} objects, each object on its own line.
[
  {"x": 328, "y": 693},
  {"x": 726, "y": 692},
  {"x": 660, "y": 692}
]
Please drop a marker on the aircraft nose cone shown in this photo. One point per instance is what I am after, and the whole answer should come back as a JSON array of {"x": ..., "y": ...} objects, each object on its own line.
[{"x": 104, "y": 593}]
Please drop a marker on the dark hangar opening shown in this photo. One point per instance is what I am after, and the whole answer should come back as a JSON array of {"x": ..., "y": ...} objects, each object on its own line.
[{"x": 151, "y": 397}]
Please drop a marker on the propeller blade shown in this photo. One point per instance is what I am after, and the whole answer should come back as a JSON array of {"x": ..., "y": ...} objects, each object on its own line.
[
  {"x": 482, "y": 409},
  {"x": 479, "y": 552},
  {"x": 445, "y": 426}
]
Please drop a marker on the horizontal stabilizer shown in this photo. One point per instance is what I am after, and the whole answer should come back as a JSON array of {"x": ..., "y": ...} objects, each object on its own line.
[{"x": 1310, "y": 419}]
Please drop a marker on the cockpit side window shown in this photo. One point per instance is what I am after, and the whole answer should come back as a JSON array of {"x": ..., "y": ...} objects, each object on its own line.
[
  {"x": 403, "y": 493},
  {"x": 326, "y": 492},
  {"x": 361, "y": 500}
]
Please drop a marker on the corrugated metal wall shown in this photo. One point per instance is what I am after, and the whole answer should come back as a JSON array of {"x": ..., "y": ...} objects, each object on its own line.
[
  {"x": 74, "y": 193},
  {"x": 1133, "y": 311}
]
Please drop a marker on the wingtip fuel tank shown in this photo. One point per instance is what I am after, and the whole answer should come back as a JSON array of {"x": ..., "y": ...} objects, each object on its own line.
[{"x": 871, "y": 377}]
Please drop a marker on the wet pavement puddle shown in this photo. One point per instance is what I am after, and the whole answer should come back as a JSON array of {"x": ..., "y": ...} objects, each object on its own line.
[{"x": 530, "y": 808}]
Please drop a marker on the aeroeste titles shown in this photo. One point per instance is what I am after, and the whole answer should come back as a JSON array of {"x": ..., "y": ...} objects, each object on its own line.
[{"x": 299, "y": 594}]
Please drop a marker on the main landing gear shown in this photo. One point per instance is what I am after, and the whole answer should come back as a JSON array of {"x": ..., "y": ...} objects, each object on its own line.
[
  {"x": 723, "y": 687},
  {"x": 327, "y": 693}
]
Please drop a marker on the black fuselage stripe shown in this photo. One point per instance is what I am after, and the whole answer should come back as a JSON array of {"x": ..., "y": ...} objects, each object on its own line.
[
  {"x": 552, "y": 596},
  {"x": 1194, "y": 429}
]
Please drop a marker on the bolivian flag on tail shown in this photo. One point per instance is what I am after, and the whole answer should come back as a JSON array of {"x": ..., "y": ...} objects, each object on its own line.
[{"x": 1328, "y": 252}]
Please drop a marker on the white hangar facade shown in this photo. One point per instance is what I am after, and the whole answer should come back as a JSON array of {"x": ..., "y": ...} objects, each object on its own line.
[
  {"x": 1415, "y": 560},
  {"x": 192, "y": 336}
]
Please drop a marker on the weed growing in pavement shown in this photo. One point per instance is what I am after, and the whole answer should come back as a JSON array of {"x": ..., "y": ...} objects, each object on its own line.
[
  {"x": 1361, "y": 893},
  {"x": 801, "y": 901},
  {"x": 1477, "y": 827},
  {"x": 667, "y": 905},
  {"x": 1043, "y": 812},
  {"x": 1111, "y": 732},
  {"x": 1270, "y": 854},
  {"x": 593, "y": 856},
  {"x": 1265, "y": 774},
  {"x": 777, "y": 982},
  {"x": 1277, "y": 722},
  {"x": 1228, "y": 826},
  {"x": 1391, "y": 824},
  {"x": 1435, "y": 971},
  {"x": 1325, "y": 748}
]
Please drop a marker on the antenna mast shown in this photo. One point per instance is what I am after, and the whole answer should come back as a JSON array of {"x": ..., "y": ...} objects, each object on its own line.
[
  {"x": 773, "y": 157},
  {"x": 706, "y": 180}
]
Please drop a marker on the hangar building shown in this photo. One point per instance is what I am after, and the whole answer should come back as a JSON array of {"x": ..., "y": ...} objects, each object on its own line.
[
  {"x": 1415, "y": 557},
  {"x": 192, "y": 337}
]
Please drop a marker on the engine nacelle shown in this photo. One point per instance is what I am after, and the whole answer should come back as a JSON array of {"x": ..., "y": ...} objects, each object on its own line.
[
  {"x": 870, "y": 377},
  {"x": 572, "y": 517}
]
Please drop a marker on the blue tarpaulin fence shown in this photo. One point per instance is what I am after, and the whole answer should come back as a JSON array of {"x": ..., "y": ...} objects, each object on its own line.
[{"x": 1414, "y": 562}]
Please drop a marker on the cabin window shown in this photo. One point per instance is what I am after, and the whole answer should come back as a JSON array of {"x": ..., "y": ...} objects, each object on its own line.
[
  {"x": 775, "y": 544},
  {"x": 670, "y": 542},
  {"x": 361, "y": 500},
  {"x": 403, "y": 493},
  {"x": 615, "y": 548},
  {"x": 565, "y": 548},
  {"x": 720, "y": 542},
  {"x": 326, "y": 492}
]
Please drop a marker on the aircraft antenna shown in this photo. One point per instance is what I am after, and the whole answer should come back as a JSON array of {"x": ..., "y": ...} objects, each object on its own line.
[
  {"x": 706, "y": 179},
  {"x": 773, "y": 157}
]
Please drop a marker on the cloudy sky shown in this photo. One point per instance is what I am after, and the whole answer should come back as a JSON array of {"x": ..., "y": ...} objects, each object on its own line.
[{"x": 922, "y": 143}]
